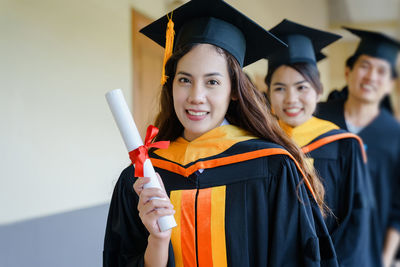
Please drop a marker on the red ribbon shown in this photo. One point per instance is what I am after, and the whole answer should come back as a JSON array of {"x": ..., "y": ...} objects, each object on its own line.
[{"x": 139, "y": 155}]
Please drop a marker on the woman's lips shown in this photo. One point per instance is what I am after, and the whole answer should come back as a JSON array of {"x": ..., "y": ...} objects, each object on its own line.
[
  {"x": 196, "y": 115},
  {"x": 292, "y": 112}
]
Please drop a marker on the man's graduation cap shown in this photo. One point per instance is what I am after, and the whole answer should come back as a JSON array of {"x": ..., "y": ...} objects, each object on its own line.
[
  {"x": 305, "y": 43},
  {"x": 376, "y": 44},
  {"x": 215, "y": 22}
]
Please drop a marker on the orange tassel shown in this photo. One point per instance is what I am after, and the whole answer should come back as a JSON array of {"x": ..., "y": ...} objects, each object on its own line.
[{"x": 169, "y": 44}]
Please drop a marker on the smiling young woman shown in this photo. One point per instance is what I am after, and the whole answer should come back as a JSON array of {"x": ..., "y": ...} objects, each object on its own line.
[
  {"x": 294, "y": 88},
  {"x": 239, "y": 188}
]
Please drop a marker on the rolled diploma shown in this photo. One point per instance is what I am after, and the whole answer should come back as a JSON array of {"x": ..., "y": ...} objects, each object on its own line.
[{"x": 132, "y": 140}]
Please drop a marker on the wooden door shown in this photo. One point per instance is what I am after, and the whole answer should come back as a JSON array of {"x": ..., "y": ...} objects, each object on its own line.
[{"x": 147, "y": 66}]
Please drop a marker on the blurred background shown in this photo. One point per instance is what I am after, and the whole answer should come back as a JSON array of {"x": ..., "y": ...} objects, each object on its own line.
[{"x": 60, "y": 150}]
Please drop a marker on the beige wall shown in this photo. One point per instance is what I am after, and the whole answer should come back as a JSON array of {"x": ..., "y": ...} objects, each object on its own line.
[{"x": 60, "y": 149}]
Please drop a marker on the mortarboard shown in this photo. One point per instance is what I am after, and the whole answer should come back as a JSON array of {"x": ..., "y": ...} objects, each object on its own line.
[
  {"x": 304, "y": 43},
  {"x": 320, "y": 56},
  {"x": 376, "y": 44},
  {"x": 215, "y": 22}
]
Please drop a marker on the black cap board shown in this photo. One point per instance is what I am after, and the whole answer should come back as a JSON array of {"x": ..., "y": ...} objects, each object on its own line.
[
  {"x": 216, "y": 22},
  {"x": 304, "y": 43}
]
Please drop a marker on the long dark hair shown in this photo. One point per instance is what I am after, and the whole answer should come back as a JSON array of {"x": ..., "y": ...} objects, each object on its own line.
[{"x": 248, "y": 111}]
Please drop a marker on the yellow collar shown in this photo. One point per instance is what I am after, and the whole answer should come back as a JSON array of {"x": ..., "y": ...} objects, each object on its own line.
[
  {"x": 209, "y": 144},
  {"x": 308, "y": 131}
]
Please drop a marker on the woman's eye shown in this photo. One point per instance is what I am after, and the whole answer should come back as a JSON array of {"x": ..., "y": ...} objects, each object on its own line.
[
  {"x": 213, "y": 82},
  {"x": 277, "y": 89},
  {"x": 184, "y": 80},
  {"x": 302, "y": 87}
]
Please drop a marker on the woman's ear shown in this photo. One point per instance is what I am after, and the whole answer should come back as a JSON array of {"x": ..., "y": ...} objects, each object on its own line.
[
  {"x": 347, "y": 71},
  {"x": 234, "y": 96}
]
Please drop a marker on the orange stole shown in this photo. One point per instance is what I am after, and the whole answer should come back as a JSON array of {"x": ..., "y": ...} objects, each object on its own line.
[
  {"x": 210, "y": 227},
  {"x": 326, "y": 140}
]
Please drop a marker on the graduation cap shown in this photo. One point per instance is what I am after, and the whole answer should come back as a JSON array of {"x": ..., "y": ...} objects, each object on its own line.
[
  {"x": 305, "y": 43},
  {"x": 320, "y": 56},
  {"x": 215, "y": 22},
  {"x": 376, "y": 44}
]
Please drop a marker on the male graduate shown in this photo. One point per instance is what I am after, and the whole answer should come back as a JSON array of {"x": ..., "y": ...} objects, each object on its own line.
[{"x": 370, "y": 75}]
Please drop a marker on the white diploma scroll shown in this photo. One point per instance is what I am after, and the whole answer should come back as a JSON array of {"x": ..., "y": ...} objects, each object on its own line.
[{"x": 132, "y": 140}]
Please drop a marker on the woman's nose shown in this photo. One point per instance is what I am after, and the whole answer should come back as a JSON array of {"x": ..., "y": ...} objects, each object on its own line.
[
  {"x": 197, "y": 94},
  {"x": 290, "y": 96}
]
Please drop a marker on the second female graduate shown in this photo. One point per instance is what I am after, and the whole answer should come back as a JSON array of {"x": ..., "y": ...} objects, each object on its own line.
[
  {"x": 233, "y": 180},
  {"x": 294, "y": 89}
]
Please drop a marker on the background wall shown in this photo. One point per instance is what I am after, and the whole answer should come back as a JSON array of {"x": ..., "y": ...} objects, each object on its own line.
[
  {"x": 61, "y": 152},
  {"x": 59, "y": 144}
]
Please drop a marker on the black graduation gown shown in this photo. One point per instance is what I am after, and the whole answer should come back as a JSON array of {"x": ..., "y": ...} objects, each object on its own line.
[
  {"x": 382, "y": 144},
  {"x": 338, "y": 159},
  {"x": 247, "y": 208}
]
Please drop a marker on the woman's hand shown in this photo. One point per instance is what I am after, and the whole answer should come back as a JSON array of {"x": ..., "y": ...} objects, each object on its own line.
[{"x": 153, "y": 204}]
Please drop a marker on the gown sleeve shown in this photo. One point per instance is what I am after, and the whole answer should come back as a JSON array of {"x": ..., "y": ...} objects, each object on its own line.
[{"x": 126, "y": 237}]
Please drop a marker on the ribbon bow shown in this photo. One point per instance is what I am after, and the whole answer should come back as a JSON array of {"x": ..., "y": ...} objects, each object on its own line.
[{"x": 139, "y": 155}]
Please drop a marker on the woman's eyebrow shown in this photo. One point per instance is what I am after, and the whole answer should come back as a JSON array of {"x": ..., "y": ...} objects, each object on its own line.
[{"x": 300, "y": 82}]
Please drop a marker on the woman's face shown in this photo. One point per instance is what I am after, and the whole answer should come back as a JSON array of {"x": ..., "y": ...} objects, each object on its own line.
[
  {"x": 201, "y": 90},
  {"x": 293, "y": 99}
]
